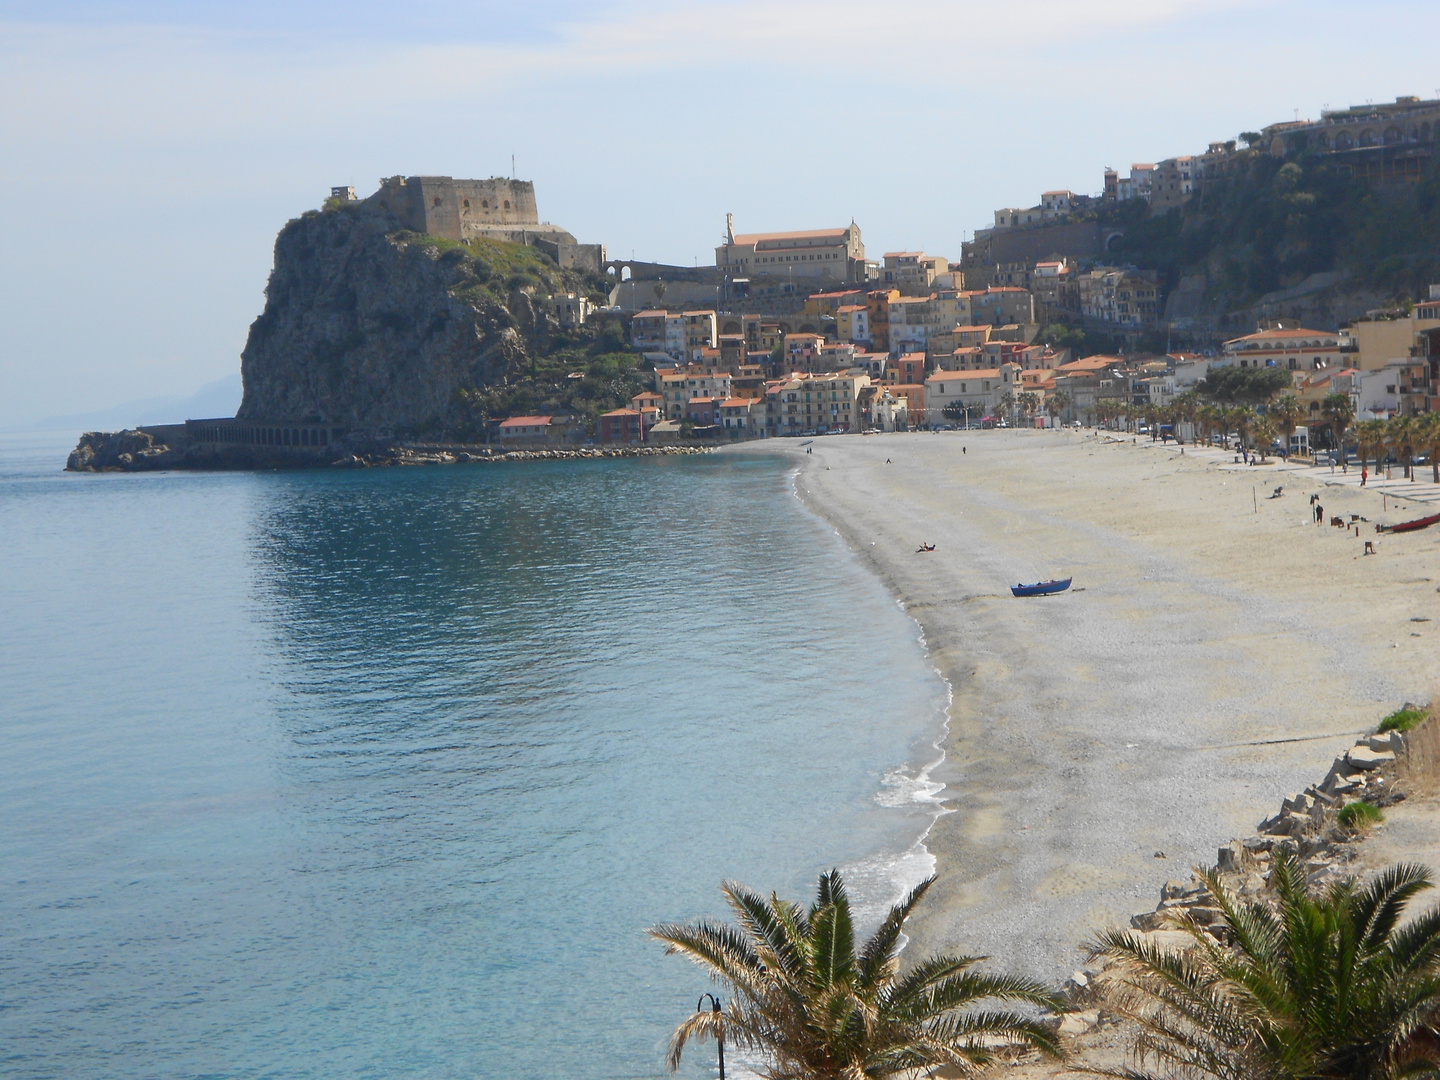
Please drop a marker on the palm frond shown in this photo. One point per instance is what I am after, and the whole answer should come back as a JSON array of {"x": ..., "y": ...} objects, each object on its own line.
[{"x": 877, "y": 957}]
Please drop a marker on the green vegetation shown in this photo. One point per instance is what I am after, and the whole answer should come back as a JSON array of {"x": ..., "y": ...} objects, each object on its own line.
[
  {"x": 1320, "y": 988},
  {"x": 816, "y": 1007},
  {"x": 1272, "y": 222},
  {"x": 580, "y": 371},
  {"x": 1360, "y": 816},
  {"x": 1403, "y": 720},
  {"x": 1236, "y": 385}
]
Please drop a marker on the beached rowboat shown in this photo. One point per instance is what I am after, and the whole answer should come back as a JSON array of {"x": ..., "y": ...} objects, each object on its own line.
[
  {"x": 1411, "y": 526},
  {"x": 1042, "y": 588}
]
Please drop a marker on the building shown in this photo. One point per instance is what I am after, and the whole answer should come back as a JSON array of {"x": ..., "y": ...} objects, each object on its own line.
[
  {"x": 1379, "y": 143},
  {"x": 911, "y": 272},
  {"x": 980, "y": 391},
  {"x": 621, "y": 426},
  {"x": 738, "y": 415},
  {"x": 498, "y": 208},
  {"x": 647, "y": 331},
  {"x": 825, "y": 254},
  {"x": 1380, "y": 341},
  {"x": 1294, "y": 349},
  {"x": 821, "y": 403},
  {"x": 887, "y": 412},
  {"x": 677, "y": 388},
  {"x": 828, "y": 304},
  {"x": 852, "y": 323},
  {"x": 877, "y": 305},
  {"x": 525, "y": 429},
  {"x": 570, "y": 309},
  {"x": 998, "y": 306},
  {"x": 1174, "y": 182},
  {"x": 698, "y": 330}
]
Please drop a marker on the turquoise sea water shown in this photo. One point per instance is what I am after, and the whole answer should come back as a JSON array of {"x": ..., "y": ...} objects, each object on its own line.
[{"x": 383, "y": 774}]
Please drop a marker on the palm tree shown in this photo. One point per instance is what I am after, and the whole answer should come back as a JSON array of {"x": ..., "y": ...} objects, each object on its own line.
[
  {"x": 1369, "y": 437},
  {"x": 1186, "y": 406},
  {"x": 1320, "y": 988},
  {"x": 1339, "y": 412},
  {"x": 816, "y": 1007},
  {"x": 1400, "y": 435},
  {"x": 1262, "y": 434},
  {"x": 1058, "y": 402},
  {"x": 1427, "y": 439},
  {"x": 1286, "y": 413}
]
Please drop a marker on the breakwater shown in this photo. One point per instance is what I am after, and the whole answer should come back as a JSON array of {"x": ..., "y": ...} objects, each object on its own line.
[{"x": 155, "y": 449}]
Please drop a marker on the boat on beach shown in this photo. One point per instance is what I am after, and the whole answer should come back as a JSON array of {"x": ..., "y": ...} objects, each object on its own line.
[
  {"x": 1042, "y": 588},
  {"x": 1410, "y": 526}
]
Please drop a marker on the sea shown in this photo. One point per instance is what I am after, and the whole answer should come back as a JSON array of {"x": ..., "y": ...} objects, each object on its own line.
[{"x": 385, "y": 773}]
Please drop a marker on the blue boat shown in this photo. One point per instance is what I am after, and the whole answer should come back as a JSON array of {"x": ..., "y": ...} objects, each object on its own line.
[{"x": 1042, "y": 588}]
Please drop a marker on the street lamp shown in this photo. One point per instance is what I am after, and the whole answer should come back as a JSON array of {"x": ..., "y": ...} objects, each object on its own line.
[{"x": 719, "y": 1027}]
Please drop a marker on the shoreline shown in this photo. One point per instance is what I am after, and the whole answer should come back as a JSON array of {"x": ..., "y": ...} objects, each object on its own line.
[{"x": 1037, "y": 845}]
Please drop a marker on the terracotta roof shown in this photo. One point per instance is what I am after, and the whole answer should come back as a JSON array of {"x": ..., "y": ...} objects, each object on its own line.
[
  {"x": 620, "y": 412},
  {"x": 964, "y": 376},
  {"x": 1089, "y": 363},
  {"x": 525, "y": 421},
  {"x": 651, "y": 314}
]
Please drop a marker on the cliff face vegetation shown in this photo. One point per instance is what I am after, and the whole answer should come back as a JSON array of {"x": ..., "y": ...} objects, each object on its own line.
[
  {"x": 395, "y": 333},
  {"x": 1273, "y": 222}
]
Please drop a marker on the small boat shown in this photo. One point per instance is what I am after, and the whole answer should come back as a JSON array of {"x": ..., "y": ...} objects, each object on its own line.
[
  {"x": 1042, "y": 588},
  {"x": 1411, "y": 526}
]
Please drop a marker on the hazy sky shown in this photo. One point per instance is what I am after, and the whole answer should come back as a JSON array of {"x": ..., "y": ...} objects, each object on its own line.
[{"x": 149, "y": 152}]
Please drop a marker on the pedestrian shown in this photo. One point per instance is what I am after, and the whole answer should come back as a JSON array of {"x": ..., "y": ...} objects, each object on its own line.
[
  {"x": 1364, "y": 474},
  {"x": 963, "y": 450},
  {"x": 1319, "y": 514}
]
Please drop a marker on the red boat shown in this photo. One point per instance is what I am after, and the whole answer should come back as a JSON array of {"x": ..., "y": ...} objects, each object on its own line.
[{"x": 1411, "y": 526}]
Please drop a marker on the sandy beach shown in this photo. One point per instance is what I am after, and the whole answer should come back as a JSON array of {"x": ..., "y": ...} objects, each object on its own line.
[{"x": 1216, "y": 651}]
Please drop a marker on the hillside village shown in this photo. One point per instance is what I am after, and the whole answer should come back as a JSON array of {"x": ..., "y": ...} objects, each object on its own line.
[{"x": 1039, "y": 321}]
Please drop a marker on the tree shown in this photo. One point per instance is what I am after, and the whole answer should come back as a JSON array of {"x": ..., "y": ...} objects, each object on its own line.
[
  {"x": 817, "y": 1008},
  {"x": 1369, "y": 439},
  {"x": 1400, "y": 435},
  {"x": 1262, "y": 434},
  {"x": 1186, "y": 406},
  {"x": 1286, "y": 413},
  {"x": 1427, "y": 439},
  {"x": 1058, "y": 402},
  {"x": 1338, "y": 411},
  {"x": 1236, "y": 385},
  {"x": 1250, "y": 138},
  {"x": 1320, "y": 988}
]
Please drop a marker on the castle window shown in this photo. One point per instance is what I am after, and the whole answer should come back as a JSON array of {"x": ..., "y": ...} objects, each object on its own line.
[
  {"x": 484, "y": 204},
  {"x": 507, "y": 204},
  {"x": 467, "y": 204},
  {"x": 437, "y": 200}
]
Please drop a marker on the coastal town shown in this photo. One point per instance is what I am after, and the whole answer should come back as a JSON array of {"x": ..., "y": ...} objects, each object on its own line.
[{"x": 806, "y": 335}]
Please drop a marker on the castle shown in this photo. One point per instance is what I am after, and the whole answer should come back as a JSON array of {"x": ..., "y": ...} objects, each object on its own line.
[{"x": 498, "y": 208}]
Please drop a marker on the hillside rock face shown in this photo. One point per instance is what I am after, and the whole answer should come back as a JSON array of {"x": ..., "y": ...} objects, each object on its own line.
[{"x": 383, "y": 335}]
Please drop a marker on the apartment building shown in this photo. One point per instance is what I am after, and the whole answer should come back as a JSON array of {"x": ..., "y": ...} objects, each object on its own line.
[
  {"x": 677, "y": 389},
  {"x": 911, "y": 272},
  {"x": 852, "y": 323},
  {"x": 1294, "y": 349},
  {"x": 981, "y": 391},
  {"x": 828, "y": 402}
]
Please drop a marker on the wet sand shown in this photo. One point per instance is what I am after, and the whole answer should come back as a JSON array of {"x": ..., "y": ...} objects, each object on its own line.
[{"x": 1208, "y": 660}]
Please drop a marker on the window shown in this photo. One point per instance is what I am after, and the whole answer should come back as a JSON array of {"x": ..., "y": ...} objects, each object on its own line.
[{"x": 507, "y": 204}]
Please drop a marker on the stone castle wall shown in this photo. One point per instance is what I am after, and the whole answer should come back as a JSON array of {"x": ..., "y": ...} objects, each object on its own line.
[{"x": 460, "y": 209}]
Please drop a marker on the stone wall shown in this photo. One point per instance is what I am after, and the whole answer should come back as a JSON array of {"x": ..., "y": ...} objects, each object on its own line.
[{"x": 459, "y": 209}]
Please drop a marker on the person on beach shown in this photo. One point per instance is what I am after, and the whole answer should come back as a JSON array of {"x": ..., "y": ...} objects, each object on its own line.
[
  {"x": 963, "y": 450},
  {"x": 1364, "y": 474},
  {"x": 1319, "y": 514}
]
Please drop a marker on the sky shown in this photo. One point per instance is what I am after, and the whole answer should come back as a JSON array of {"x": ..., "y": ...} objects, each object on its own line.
[{"x": 150, "y": 151}]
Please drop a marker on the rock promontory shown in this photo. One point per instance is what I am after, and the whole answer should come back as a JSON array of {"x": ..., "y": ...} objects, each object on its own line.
[{"x": 392, "y": 332}]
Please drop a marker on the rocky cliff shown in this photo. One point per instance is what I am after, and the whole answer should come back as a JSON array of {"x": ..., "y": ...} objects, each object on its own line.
[{"x": 389, "y": 332}]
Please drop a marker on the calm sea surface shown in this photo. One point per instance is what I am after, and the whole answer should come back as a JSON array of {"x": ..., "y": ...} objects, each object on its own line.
[{"x": 384, "y": 774}]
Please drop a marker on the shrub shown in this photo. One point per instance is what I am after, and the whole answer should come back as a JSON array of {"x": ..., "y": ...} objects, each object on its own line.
[
  {"x": 1359, "y": 816},
  {"x": 1403, "y": 720}
]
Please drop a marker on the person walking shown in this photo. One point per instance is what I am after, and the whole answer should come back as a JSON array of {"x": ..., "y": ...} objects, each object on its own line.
[
  {"x": 1319, "y": 514},
  {"x": 1364, "y": 474}
]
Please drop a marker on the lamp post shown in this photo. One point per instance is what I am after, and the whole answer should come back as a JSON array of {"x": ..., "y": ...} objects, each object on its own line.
[{"x": 719, "y": 1029}]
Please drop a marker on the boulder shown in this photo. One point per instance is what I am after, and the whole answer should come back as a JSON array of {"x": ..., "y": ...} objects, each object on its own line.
[
  {"x": 1362, "y": 757},
  {"x": 1228, "y": 858}
]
